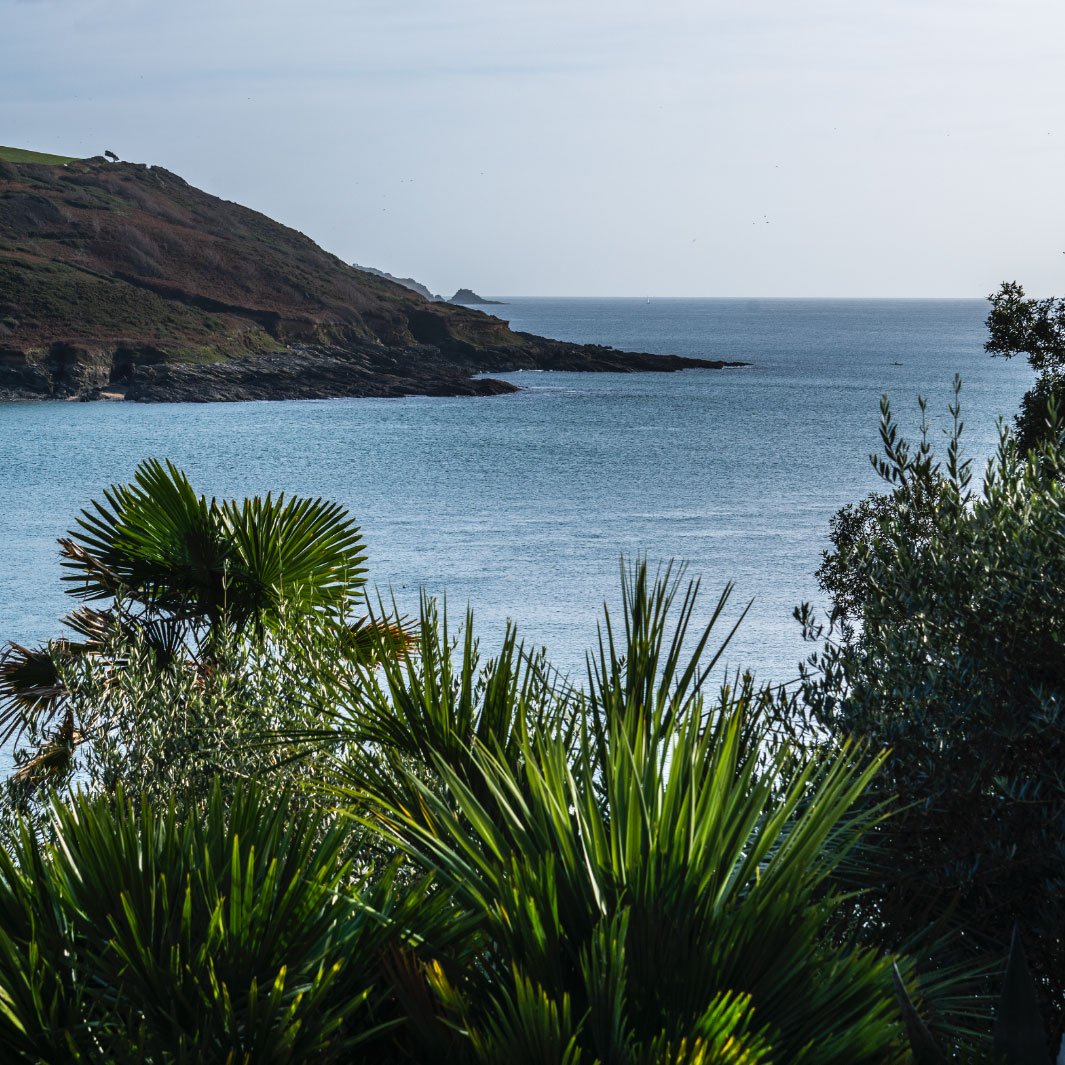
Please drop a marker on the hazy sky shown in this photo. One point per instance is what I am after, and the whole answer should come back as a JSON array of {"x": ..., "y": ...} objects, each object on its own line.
[{"x": 588, "y": 147}]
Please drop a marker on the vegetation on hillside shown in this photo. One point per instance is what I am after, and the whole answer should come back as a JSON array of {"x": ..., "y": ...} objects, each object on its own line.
[{"x": 123, "y": 278}]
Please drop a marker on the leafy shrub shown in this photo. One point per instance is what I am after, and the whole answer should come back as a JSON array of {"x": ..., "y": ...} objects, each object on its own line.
[
  {"x": 637, "y": 872},
  {"x": 950, "y": 651},
  {"x": 1041, "y": 408},
  {"x": 177, "y": 729}
]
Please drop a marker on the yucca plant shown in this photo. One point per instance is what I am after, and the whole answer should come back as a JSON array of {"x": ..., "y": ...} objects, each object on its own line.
[
  {"x": 656, "y": 890},
  {"x": 397, "y": 715},
  {"x": 145, "y": 935}
]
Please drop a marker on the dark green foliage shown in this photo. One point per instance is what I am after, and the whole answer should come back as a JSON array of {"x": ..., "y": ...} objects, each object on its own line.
[
  {"x": 1042, "y": 405},
  {"x": 1020, "y": 1038},
  {"x": 853, "y": 527},
  {"x": 1019, "y": 1035},
  {"x": 1035, "y": 328},
  {"x": 149, "y": 936},
  {"x": 926, "y": 1051},
  {"x": 951, "y": 652}
]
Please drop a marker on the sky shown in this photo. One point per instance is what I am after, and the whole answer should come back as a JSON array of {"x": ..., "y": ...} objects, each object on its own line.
[{"x": 587, "y": 147}]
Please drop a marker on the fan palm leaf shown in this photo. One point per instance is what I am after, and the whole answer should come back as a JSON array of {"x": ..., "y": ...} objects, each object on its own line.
[
  {"x": 297, "y": 555},
  {"x": 154, "y": 539},
  {"x": 30, "y": 684},
  {"x": 158, "y": 544}
]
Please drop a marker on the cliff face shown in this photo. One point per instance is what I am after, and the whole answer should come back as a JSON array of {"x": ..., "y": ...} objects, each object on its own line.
[{"x": 123, "y": 280}]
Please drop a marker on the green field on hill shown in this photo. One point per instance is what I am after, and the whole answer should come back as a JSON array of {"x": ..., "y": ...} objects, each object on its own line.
[{"x": 21, "y": 155}]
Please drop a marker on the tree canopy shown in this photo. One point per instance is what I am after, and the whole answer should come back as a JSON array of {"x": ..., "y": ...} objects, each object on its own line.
[{"x": 1018, "y": 325}]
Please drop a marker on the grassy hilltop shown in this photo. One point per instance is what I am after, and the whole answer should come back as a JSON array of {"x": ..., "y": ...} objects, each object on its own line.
[{"x": 23, "y": 155}]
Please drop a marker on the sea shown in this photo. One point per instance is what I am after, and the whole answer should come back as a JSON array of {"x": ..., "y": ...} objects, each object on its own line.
[{"x": 522, "y": 507}]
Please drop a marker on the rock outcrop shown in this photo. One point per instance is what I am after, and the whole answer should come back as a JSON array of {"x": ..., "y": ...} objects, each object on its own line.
[{"x": 466, "y": 297}]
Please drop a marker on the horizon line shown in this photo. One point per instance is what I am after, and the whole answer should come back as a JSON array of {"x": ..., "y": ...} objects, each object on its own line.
[{"x": 644, "y": 296}]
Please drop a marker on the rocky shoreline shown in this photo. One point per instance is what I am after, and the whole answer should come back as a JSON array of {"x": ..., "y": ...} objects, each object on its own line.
[{"x": 308, "y": 371}]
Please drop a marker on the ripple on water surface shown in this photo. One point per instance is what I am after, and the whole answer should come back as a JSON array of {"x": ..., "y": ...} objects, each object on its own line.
[{"x": 522, "y": 504}]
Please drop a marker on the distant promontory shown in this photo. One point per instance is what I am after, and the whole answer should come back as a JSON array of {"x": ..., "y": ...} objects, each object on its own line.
[
  {"x": 406, "y": 282},
  {"x": 122, "y": 281}
]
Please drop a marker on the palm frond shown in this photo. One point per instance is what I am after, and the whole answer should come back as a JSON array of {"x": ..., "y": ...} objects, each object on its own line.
[
  {"x": 154, "y": 540},
  {"x": 371, "y": 640},
  {"x": 300, "y": 555},
  {"x": 150, "y": 935},
  {"x": 433, "y": 706},
  {"x": 29, "y": 684}
]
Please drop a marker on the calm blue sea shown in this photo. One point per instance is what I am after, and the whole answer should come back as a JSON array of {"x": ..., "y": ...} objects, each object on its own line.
[{"x": 521, "y": 505}]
